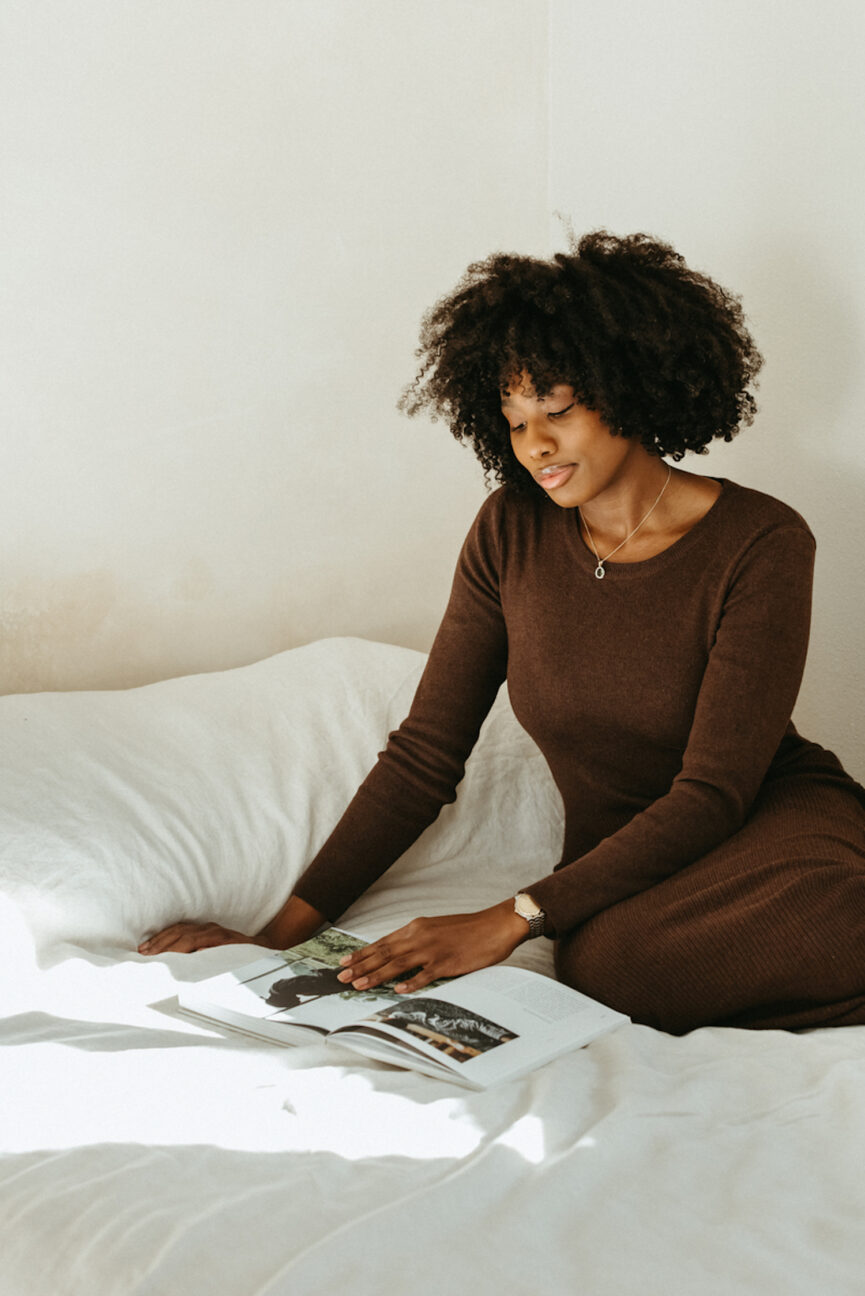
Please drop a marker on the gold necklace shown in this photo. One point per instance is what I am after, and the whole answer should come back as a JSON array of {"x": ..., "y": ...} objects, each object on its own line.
[{"x": 599, "y": 570}]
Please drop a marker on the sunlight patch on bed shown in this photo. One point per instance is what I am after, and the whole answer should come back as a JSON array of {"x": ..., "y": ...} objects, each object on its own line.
[
  {"x": 244, "y": 1102},
  {"x": 525, "y": 1136},
  {"x": 344, "y": 1113}
]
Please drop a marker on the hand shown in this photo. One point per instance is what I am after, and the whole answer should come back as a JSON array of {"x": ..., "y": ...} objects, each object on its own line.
[
  {"x": 295, "y": 922},
  {"x": 185, "y": 937},
  {"x": 437, "y": 947}
]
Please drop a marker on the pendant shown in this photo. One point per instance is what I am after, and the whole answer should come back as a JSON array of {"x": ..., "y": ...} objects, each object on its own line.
[{"x": 599, "y": 571}]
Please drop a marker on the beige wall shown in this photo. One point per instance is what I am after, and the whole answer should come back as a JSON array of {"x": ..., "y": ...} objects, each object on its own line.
[
  {"x": 736, "y": 129},
  {"x": 223, "y": 219}
]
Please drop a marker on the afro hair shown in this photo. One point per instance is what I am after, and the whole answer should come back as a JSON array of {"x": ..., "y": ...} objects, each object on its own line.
[{"x": 660, "y": 351}]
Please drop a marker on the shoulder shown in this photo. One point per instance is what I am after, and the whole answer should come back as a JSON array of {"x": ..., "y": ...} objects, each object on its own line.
[
  {"x": 760, "y": 542},
  {"x": 508, "y": 523},
  {"x": 506, "y": 511},
  {"x": 752, "y": 512}
]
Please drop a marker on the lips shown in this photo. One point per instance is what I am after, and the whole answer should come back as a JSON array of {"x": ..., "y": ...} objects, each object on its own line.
[{"x": 554, "y": 475}]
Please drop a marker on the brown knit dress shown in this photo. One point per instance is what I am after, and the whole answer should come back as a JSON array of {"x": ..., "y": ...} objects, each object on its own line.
[{"x": 713, "y": 869}]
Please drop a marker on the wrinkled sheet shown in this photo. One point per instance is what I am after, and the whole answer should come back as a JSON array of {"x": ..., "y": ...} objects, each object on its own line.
[
  {"x": 142, "y": 1154},
  {"x": 145, "y": 1154}
]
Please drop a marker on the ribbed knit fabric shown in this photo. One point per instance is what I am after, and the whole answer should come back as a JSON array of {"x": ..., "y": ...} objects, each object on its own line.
[{"x": 707, "y": 845}]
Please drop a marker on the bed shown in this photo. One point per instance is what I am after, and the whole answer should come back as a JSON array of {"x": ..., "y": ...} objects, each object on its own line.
[{"x": 143, "y": 1153}]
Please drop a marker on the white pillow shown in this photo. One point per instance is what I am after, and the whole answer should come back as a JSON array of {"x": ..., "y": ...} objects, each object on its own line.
[{"x": 205, "y": 797}]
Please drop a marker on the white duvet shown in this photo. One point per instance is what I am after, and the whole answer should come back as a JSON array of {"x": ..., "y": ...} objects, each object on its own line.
[{"x": 145, "y": 1155}]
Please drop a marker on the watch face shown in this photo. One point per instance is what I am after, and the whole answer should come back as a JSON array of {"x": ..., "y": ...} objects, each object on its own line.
[{"x": 525, "y": 906}]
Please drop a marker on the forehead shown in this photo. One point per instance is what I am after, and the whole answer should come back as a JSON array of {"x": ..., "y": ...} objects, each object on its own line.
[{"x": 523, "y": 389}]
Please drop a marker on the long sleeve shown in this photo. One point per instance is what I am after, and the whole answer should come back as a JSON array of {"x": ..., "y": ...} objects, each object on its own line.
[
  {"x": 424, "y": 760},
  {"x": 742, "y": 712}
]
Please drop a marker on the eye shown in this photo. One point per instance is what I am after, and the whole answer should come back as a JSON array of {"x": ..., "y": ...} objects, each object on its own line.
[
  {"x": 554, "y": 414},
  {"x": 521, "y": 427}
]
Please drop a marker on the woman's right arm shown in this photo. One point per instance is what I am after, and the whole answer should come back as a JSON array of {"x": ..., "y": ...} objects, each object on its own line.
[
  {"x": 414, "y": 776},
  {"x": 295, "y": 923},
  {"x": 424, "y": 760}
]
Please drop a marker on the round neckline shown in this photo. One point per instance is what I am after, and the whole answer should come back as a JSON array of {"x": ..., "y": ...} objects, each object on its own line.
[{"x": 643, "y": 566}]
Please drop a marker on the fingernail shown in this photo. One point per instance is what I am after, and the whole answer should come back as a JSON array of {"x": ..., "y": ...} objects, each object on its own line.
[
  {"x": 359, "y": 985},
  {"x": 343, "y": 976},
  {"x": 346, "y": 958}
]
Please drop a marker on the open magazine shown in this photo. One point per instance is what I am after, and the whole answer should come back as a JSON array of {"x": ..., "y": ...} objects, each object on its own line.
[{"x": 476, "y": 1030}]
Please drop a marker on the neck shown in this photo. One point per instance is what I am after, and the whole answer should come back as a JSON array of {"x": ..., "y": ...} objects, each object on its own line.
[{"x": 624, "y": 504}]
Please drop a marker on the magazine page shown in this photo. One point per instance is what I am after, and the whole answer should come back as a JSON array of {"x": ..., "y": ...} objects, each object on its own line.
[
  {"x": 485, "y": 1027},
  {"x": 290, "y": 990}
]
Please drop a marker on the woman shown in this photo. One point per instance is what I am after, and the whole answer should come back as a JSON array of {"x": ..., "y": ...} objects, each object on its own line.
[{"x": 652, "y": 625}]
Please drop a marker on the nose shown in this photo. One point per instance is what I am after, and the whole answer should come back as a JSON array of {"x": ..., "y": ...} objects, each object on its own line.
[{"x": 539, "y": 440}]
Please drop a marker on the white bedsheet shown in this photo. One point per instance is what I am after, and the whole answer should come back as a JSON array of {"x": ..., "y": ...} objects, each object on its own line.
[{"x": 145, "y": 1155}]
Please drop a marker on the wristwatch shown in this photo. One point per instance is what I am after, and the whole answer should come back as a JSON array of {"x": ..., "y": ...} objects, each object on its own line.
[{"x": 534, "y": 915}]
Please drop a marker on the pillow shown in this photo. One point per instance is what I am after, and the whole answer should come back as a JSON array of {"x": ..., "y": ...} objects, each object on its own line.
[{"x": 205, "y": 797}]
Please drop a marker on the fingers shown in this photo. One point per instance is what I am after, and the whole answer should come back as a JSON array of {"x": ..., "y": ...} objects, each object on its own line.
[
  {"x": 429, "y": 948},
  {"x": 165, "y": 939},
  {"x": 378, "y": 967},
  {"x": 421, "y": 977},
  {"x": 403, "y": 954},
  {"x": 186, "y": 937}
]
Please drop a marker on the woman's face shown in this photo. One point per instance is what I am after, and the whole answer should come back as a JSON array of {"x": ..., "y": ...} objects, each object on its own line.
[{"x": 567, "y": 448}]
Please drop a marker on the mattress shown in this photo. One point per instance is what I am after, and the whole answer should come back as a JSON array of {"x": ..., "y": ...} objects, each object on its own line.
[{"x": 143, "y": 1153}]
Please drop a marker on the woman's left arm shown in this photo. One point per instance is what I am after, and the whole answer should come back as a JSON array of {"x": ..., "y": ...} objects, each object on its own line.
[
  {"x": 430, "y": 948},
  {"x": 743, "y": 708}
]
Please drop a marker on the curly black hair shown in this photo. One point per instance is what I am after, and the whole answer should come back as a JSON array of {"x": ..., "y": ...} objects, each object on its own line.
[{"x": 660, "y": 351}]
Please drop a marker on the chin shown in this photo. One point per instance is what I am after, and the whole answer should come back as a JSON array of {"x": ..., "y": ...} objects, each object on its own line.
[{"x": 563, "y": 498}]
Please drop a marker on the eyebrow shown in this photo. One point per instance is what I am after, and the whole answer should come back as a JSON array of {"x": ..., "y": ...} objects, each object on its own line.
[{"x": 542, "y": 400}]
